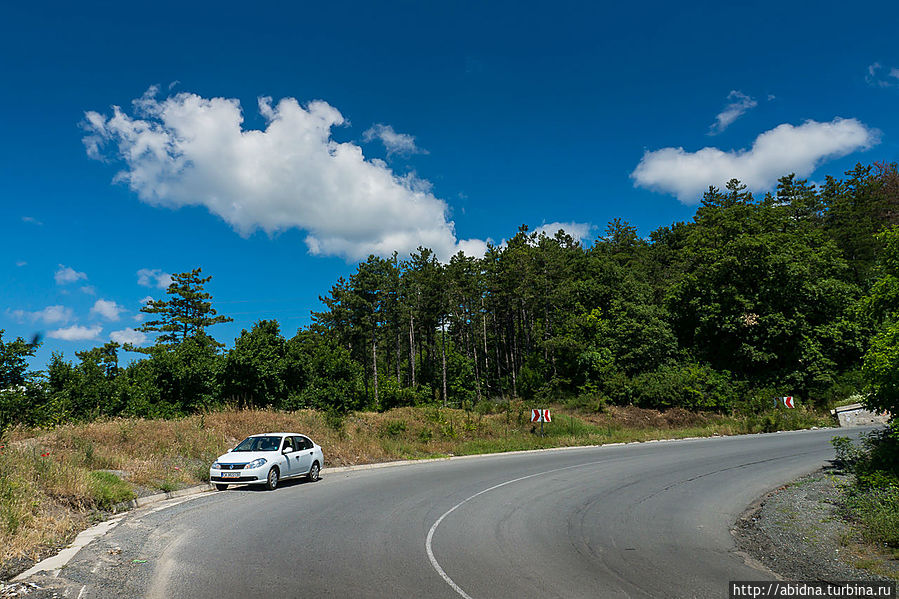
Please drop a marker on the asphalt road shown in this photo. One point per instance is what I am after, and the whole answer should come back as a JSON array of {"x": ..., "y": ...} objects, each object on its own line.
[{"x": 640, "y": 520}]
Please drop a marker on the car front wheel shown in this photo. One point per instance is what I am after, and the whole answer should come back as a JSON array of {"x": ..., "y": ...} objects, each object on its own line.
[
  {"x": 272, "y": 480},
  {"x": 314, "y": 472}
]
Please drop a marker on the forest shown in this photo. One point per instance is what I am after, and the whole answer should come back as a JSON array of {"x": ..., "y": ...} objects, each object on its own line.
[{"x": 792, "y": 293}]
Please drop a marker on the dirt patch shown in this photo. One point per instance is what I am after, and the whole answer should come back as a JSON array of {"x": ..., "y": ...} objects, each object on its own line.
[
  {"x": 642, "y": 418},
  {"x": 798, "y": 532}
]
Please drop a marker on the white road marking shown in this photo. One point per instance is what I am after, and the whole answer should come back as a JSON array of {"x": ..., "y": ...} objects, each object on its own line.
[{"x": 428, "y": 541}]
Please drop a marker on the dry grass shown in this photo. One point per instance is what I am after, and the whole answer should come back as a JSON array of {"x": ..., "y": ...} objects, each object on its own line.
[{"x": 48, "y": 491}]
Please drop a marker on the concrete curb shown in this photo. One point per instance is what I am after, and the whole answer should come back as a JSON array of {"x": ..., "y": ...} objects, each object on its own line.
[
  {"x": 62, "y": 558},
  {"x": 142, "y": 501}
]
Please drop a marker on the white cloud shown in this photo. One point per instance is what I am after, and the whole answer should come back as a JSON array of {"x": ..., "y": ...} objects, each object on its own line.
[
  {"x": 877, "y": 78},
  {"x": 76, "y": 333},
  {"x": 395, "y": 143},
  {"x": 49, "y": 315},
  {"x": 146, "y": 300},
  {"x": 32, "y": 220},
  {"x": 189, "y": 150},
  {"x": 739, "y": 105},
  {"x": 153, "y": 278},
  {"x": 780, "y": 151},
  {"x": 107, "y": 309},
  {"x": 580, "y": 231},
  {"x": 128, "y": 335},
  {"x": 89, "y": 290},
  {"x": 21, "y": 263},
  {"x": 67, "y": 274}
]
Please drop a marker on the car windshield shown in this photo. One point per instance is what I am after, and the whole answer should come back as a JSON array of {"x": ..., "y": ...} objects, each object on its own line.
[{"x": 259, "y": 444}]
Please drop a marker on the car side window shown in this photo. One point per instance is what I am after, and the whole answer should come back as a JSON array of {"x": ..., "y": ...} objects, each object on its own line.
[
  {"x": 304, "y": 443},
  {"x": 288, "y": 442}
]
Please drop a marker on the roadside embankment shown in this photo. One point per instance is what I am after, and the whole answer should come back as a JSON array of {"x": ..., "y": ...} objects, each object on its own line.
[{"x": 802, "y": 531}]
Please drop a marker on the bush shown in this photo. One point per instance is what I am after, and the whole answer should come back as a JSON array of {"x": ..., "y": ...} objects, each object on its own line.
[
  {"x": 682, "y": 385},
  {"x": 874, "y": 498}
]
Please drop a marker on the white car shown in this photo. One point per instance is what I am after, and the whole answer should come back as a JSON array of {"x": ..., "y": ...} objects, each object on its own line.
[{"x": 267, "y": 458}]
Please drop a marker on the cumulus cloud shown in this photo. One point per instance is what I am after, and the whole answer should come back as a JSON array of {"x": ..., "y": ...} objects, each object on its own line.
[
  {"x": 106, "y": 309},
  {"x": 782, "y": 150},
  {"x": 66, "y": 274},
  {"x": 32, "y": 220},
  {"x": 128, "y": 335},
  {"x": 147, "y": 277},
  {"x": 395, "y": 143},
  {"x": 49, "y": 315},
  {"x": 89, "y": 290},
  {"x": 188, "y": 150},
  {"x": 878, "y": 76},
  {"x": 739, "y": 105},
  {"x": 580, "y": 231},
  {"x": 76, "y": 333}
]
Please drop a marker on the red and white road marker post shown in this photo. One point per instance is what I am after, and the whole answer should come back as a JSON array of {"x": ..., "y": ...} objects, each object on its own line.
[{"x": 541, "y": 415}]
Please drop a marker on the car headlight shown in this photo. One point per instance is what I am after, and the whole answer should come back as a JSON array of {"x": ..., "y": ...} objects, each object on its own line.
[
  {"x": 256, "y": 463},
  {"x": 216, "y": 465}
]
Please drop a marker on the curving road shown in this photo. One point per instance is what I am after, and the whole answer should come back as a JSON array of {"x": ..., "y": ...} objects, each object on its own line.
[{"x": 639, "y": 520}]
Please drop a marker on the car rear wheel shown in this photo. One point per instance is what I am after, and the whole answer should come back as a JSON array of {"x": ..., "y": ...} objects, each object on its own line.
[
  {"x": 220, "y": 486},
  {"x": 314, "y": 472},
  {"x": 272, "y": 480}
]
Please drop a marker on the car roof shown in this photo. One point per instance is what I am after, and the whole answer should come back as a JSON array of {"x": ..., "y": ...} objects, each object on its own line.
[{"x": 278, "y": 434}]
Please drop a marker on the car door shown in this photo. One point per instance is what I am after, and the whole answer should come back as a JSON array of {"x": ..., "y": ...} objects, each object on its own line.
[
  {"x": 291, "y": 458},
  {"x": 304, "y": 461}
]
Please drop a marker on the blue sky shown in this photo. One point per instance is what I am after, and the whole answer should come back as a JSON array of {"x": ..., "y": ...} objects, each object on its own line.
[{"x": 275, "y": 146}]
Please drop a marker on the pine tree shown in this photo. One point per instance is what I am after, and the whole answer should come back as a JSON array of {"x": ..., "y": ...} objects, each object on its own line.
[{"x": 186, "y": 314}]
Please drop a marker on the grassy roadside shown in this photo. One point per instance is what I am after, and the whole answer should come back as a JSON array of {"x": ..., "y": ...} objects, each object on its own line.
[
  {"x": 54, "y": 483},
  {"x": 870, "y": 500}
]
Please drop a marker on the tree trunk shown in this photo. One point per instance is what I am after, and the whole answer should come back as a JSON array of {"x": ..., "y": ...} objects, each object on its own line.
[
  {"x": 443, "y": 351},
  {"x": 374, "y": 365},
  {"x": 412, "y": 348}
]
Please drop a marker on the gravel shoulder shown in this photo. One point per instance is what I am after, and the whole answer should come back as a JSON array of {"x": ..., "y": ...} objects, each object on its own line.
[{"x": 800, "y": 532}]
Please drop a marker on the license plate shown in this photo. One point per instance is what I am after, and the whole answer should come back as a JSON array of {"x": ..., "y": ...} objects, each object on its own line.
[{"x": 230, "y": 474}]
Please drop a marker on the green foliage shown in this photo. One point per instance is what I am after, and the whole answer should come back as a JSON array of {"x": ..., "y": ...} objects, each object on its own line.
[
  {"x": 107, "y": 489},
  {"x": 256, "y": 372},
  {"x": 186, "y": 314},
  {"x": 881, "y": 305},
  {"x": 325, "y": 375},
  {"x": 589, "y": 403},
  {"x": 874, "y": 497},
  {"x": 394, "y": 428},
  {"x": 15, "y": 383},
  {"x": 691, "y": 386},
  {"x": 752, "y": 298}
]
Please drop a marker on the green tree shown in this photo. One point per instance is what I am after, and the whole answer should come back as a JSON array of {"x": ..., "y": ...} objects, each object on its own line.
[
  {"x": 186, "y": 313},
  {"x": 14, "y": 361},
  {"x": 326, "y": 376},
  {"x": 18, "y": 387},
  {"x": 881, "y": 362},
  {"x": 254, "y": 373}
]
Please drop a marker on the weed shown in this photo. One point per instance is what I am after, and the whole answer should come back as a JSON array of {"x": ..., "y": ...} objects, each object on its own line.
[
  {"x": 394, "y": 428},
  {"x": 107, "y": 489}
]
